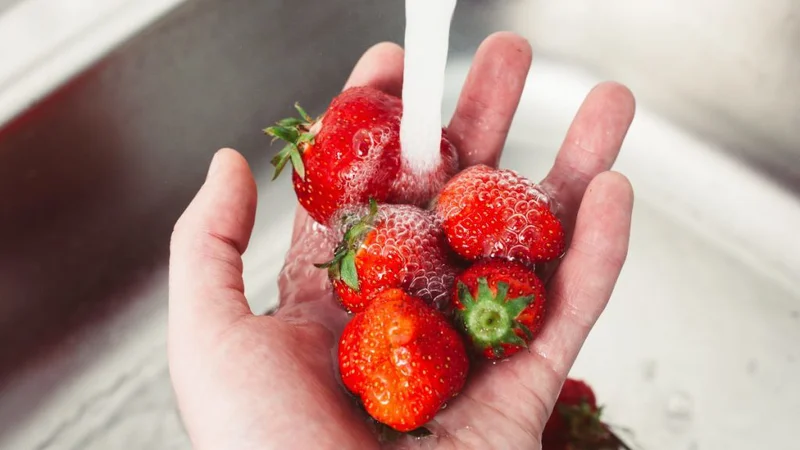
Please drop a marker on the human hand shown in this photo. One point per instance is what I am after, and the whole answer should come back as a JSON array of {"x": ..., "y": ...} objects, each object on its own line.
[{"x": 256, "y": 382}]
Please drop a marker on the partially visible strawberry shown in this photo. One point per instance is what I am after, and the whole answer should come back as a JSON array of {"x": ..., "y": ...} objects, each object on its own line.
[
  {"x": 499, "y": 305},
  {"x": 352, "y": 153},
  {"x": 498, "y": 213},
  {"x": 576, "y": 422},
  {"x": 402, "y": 359},
  {"x": 391, "y": 246}
]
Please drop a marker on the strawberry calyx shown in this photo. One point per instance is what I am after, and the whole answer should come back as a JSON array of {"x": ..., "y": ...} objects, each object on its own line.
[
  {"x": 297, "y": 133},
  {"x": 343, "y": 264},
  {"x": 490, "y": 319},
  {"x": 584, "y": 428}
]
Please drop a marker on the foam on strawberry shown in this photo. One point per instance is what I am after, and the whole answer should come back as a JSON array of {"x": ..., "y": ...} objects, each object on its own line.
[
  {"x": 426, "y": 46},
  {"x": 496, "y": 213},
  {"x": 370, "y": 145},
  {"x": 418, "y": 241},
  {"x": 421, "y": 245}
]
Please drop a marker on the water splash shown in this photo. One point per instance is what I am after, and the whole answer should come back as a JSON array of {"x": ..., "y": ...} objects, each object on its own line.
[{"x": 426, "y": 46}]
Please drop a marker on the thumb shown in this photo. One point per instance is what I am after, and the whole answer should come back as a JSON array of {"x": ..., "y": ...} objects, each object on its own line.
[{"x": 206, "y": 290}]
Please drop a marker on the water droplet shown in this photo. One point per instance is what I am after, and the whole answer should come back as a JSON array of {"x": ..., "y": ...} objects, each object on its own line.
[
  {"x": 679, "y": 410},
  {"x": 382, "y": 393}
]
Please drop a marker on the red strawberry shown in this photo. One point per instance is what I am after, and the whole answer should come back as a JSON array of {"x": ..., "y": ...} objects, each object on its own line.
[
  {"x": 392, "y": 246},
  {"x": 402, "y": 359},
  {"x": 497, "y": 213},
  {"x": 352, "y": 153},
  {"x": 576, "y": 424},
  {"x": 499, "y": 305}
]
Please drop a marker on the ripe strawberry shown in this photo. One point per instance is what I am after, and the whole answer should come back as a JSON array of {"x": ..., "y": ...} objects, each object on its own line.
[
  {"x": 402, "y": 359},
  {"x": 391, "y": 246},
  {"x": 499, "y": 305},
  {"x": 498, "y": 213},
  {"x": 352, "y": 153},
  {"x": 576, "y": 424}
]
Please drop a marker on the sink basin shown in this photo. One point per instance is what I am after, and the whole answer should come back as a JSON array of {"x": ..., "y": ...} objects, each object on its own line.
[{"x": 696, "y": 350}]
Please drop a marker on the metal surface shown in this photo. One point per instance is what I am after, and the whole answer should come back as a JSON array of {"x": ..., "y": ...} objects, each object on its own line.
[
  {"x": 94, "y": 174},
  {"x": 94, "y": 177}
]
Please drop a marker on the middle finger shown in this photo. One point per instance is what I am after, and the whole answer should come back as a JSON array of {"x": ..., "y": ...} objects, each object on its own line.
[{"x": 489, "y": 99}]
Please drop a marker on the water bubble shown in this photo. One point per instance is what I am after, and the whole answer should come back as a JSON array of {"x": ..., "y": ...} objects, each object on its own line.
[{"x": 381, "y": 391}]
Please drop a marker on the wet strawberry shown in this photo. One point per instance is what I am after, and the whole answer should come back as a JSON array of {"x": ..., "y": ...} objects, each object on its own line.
[
  {"x": 499, "y": 305},
  {"x": 576, "y": 422},
  {"x": 402, "y": 359},
  {"x": 352, "y": 153},
  {"x": 498, "y": 213},
  {"x": 391, "y": 246}
]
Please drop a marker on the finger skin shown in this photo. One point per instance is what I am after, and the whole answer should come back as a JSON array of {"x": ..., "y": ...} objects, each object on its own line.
[
  {"x": 489, "y": 98},
  {"x": 585, "y": 279},
  {"x": 590, "y": 147},
  {"x": 205, "y": 279},
  {"x": 381, "y": 67},
  {"x": 508, "y": 403}
]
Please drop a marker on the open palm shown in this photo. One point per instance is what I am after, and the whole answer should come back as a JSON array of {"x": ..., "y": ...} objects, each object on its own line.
[{"x": 257, "y": 382}]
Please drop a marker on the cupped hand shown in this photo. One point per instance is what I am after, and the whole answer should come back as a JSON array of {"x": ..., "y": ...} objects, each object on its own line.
[{"x": 258, "y": 382}]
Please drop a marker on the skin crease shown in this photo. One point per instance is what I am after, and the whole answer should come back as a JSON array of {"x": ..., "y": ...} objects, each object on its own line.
[{"x": 263, "y": 382}]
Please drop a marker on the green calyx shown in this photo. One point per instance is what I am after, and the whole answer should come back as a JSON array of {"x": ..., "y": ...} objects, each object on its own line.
[
  {"x": 586, "y": 429},
  {"x": 343, "y": 265},
  {"x": 296, "y": 132},
  {"x": 490, "y": 318}
]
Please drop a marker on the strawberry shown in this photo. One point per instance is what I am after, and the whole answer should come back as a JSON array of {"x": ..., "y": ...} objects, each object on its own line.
[
  {"x": 498, "y": 213},
  {"x": 576, "y": 423},
  {"x": 352, "y": 153},
  {"x": 402, "y": 359},
  {"x": 499, "y": 305},
  {"x": 391, "y": 246}
]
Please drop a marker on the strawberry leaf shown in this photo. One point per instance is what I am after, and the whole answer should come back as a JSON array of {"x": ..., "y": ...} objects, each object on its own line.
[
  {"x": 302, "y": 112},
  {"x": 306, "y": 137},
  {"x": 502, "y": 291},
  {"x": 297, "y": 162},
  {"x": 524, "y": 329},
  {"x": 517, "y": 305},
  {"x": 337, "y": 256},
  {"x": 343, "y": 265},
  {"x": 465, "y": 296},
  {"x": 483, "y": 289},
  {"x": 348, "y": 271},
  {"x": 287, "y": 134},
  {"x": 296, "y": 132},
  {"x": 512, "y": 339},
  {"x": 289, "y": 122},
  {"x": 280, "y": 160}
]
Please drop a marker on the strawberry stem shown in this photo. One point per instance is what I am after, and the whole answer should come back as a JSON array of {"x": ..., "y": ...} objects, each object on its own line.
[
  {"x": 586, "y": 429},
  {"x": 296, "y": 132},
  {"x": 343, "y": 265},
  {"x": 490, "y": 319}
]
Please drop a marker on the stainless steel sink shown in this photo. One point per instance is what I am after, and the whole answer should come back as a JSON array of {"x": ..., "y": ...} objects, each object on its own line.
[{"x": 108, "y": 134}]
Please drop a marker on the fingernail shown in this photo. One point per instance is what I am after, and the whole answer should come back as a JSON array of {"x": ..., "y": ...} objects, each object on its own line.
[{"x": 214, "y": 167}]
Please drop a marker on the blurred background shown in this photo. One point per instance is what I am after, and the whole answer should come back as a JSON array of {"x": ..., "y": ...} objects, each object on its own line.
[{"x": 110, "y": 112}]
